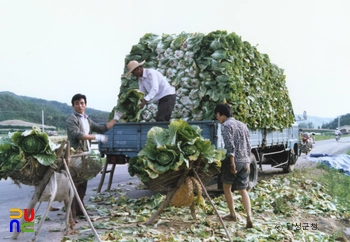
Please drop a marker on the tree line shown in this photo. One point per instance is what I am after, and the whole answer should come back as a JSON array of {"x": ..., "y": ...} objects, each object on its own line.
[{"x": 343, "y": 120}]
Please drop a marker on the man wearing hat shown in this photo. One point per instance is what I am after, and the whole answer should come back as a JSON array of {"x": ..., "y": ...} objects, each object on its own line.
[{"x": 156, "y": 87}]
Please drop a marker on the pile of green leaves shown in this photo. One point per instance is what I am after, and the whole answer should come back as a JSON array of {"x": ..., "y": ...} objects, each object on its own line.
[
  {"x": 171, "y": 149},
  {"x": 129, "y": 105},
  {"x": 207, "y": 69},
  {"x": 121, "y": 218},
  {"x": 18, "y": 145}
]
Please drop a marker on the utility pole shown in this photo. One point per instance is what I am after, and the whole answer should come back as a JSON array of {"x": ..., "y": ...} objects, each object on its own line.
[
  {"x": 42, "y": 119},
  {"x": 339, "y": 122}
]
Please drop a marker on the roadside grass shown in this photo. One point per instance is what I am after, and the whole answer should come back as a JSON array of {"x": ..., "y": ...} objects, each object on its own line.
[
  {"x": 336, "y": 182},
  {"x": 326, "y": 137}
]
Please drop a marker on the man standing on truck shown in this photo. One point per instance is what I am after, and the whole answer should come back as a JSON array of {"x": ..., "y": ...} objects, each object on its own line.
[
  {"x": 79, "y": 131},
  {"x": 157, "y": 88},
  {"x": 235, "y": 167}
]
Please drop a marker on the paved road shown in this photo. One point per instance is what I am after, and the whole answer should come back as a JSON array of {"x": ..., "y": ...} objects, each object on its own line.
[
  {"x": 332, "y": 146},
  {"x": 12, "y": 196},
  {"x": 320, "y": 147}
]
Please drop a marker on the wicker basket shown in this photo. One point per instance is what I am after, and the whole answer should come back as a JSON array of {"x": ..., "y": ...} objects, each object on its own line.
[
  {"x": 168, "y": 180},
  {"x": 30, "y": 174},
  {"x": 84, "y": 168}
]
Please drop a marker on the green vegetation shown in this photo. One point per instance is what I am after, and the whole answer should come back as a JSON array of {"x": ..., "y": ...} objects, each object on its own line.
[
  {"x": 15, "y": 150},
  {"x": 207, "y": 69},
  {"x": 14, "y": 107},
  {"x": 337, "y": 184},
  {"x": 327, "y": 136},
  {"x": 278, "y": 204},
  {"x": 173, "y": 149},
  {"x": 344, "y": 120}
]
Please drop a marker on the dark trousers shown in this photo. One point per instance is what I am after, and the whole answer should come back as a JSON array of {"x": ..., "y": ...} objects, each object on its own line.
[
  {"x": 165, "y": 107},
  {"x": 76, "y": 210}
]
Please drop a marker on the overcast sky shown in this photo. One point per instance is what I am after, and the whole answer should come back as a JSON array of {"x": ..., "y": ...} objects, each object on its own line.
[{"x": 55, "y": 49}]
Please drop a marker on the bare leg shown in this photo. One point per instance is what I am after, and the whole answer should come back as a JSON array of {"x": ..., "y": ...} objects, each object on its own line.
[
  {"x": 76, "y": 210},
  {"x": 246, "y": 204},
  {"x": 229, "y": 199}
]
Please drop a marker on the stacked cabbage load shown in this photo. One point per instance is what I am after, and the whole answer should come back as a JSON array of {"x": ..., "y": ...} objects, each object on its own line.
[
  {"x": 169, "y": 152},
  {"x": 26, "y": 156},
  {"x": 207, "y": 69}
]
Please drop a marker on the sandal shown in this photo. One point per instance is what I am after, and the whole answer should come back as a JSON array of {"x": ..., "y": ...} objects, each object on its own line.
[
  {"x": 229, "y": 217},
  {"x": 53, "y": 209}
]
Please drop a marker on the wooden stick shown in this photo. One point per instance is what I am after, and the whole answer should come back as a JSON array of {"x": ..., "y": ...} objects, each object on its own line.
[
  {"x": 165, "y": 203},
  {"x": 211, "y": 202},
  {"x": 77, "y": 196},
  {"x": 169, "y": 196}
]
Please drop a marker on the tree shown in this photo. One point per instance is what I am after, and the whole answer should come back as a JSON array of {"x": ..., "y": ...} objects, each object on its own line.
[
  {"x": 303, "y": 125},
  {"x": 310, "y": 125}
]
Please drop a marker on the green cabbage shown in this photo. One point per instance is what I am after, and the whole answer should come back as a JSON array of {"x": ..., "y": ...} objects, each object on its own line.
[
  {"x": 129, "y": 105},
  {"x": 36, "y": 143},
  {"x": 33, "y": 144},
  {"x": 172, "y": 149},
  {"x": 18, "y": 145},
  {"x": 222, "y": 68}
]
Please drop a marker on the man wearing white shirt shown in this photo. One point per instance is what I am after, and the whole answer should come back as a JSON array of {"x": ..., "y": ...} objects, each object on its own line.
[
  {"x": 337, "y": 132},
  {"x": 156, "y": 87}
]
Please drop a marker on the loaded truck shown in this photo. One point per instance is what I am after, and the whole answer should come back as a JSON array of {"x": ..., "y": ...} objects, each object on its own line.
[
  {"x": 279, "y": 149},
  {"x": 207, "y": 69}
]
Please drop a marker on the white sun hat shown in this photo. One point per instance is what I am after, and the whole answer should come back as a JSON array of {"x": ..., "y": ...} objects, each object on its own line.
[{"x": 132, "y": 65}]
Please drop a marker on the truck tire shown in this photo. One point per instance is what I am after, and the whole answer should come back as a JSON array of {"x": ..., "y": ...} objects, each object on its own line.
[
  {"x": 253, "y": 176},
  {"x": 289, "y": 169},
  {"x": 292, "y": 160}
]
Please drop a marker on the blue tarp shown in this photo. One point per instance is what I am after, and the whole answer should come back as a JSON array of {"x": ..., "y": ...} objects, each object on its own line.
[{"x": 340, "y": 162}]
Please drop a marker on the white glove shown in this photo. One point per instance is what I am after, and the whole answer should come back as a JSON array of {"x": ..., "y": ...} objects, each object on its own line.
[
  {"x": 117, "y": 115},
  {"x": 101, "y": 137}
]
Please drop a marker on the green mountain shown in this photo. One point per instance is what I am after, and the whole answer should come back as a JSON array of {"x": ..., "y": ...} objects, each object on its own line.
[
  {"x": 14, "y": 107},
  {"x": 315, "y": 122},
  {"x": 343, "y": 121}
]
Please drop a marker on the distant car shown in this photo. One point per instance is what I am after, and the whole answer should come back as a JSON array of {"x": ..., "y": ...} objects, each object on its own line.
[{"x": 52, "y": 133}]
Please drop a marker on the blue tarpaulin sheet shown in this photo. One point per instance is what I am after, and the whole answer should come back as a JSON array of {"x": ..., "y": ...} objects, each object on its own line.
[{"x": 340, "y": 162}]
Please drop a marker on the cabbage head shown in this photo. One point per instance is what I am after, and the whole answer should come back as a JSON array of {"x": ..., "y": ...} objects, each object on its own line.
[
  {"x": 18, "y": 145},
  {"x": 165, "y": 157},
  {"x": 37, "y": 144},
  {"x": 172, "y": 149},
  {"x": 33, "y": 144},
  {"x": 129, "y": 105}
]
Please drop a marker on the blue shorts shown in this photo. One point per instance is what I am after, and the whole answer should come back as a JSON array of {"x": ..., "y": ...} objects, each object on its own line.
[{"x": 240, "y": 180}]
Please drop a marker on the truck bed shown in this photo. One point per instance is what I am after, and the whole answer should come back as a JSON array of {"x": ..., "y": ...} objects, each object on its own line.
[
  {"x": 125, "y": 140},
  {"x": 129, "y": 138}
]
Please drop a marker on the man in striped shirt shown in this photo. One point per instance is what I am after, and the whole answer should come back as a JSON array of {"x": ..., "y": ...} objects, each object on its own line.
[{"x": 235, "y": 168}]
